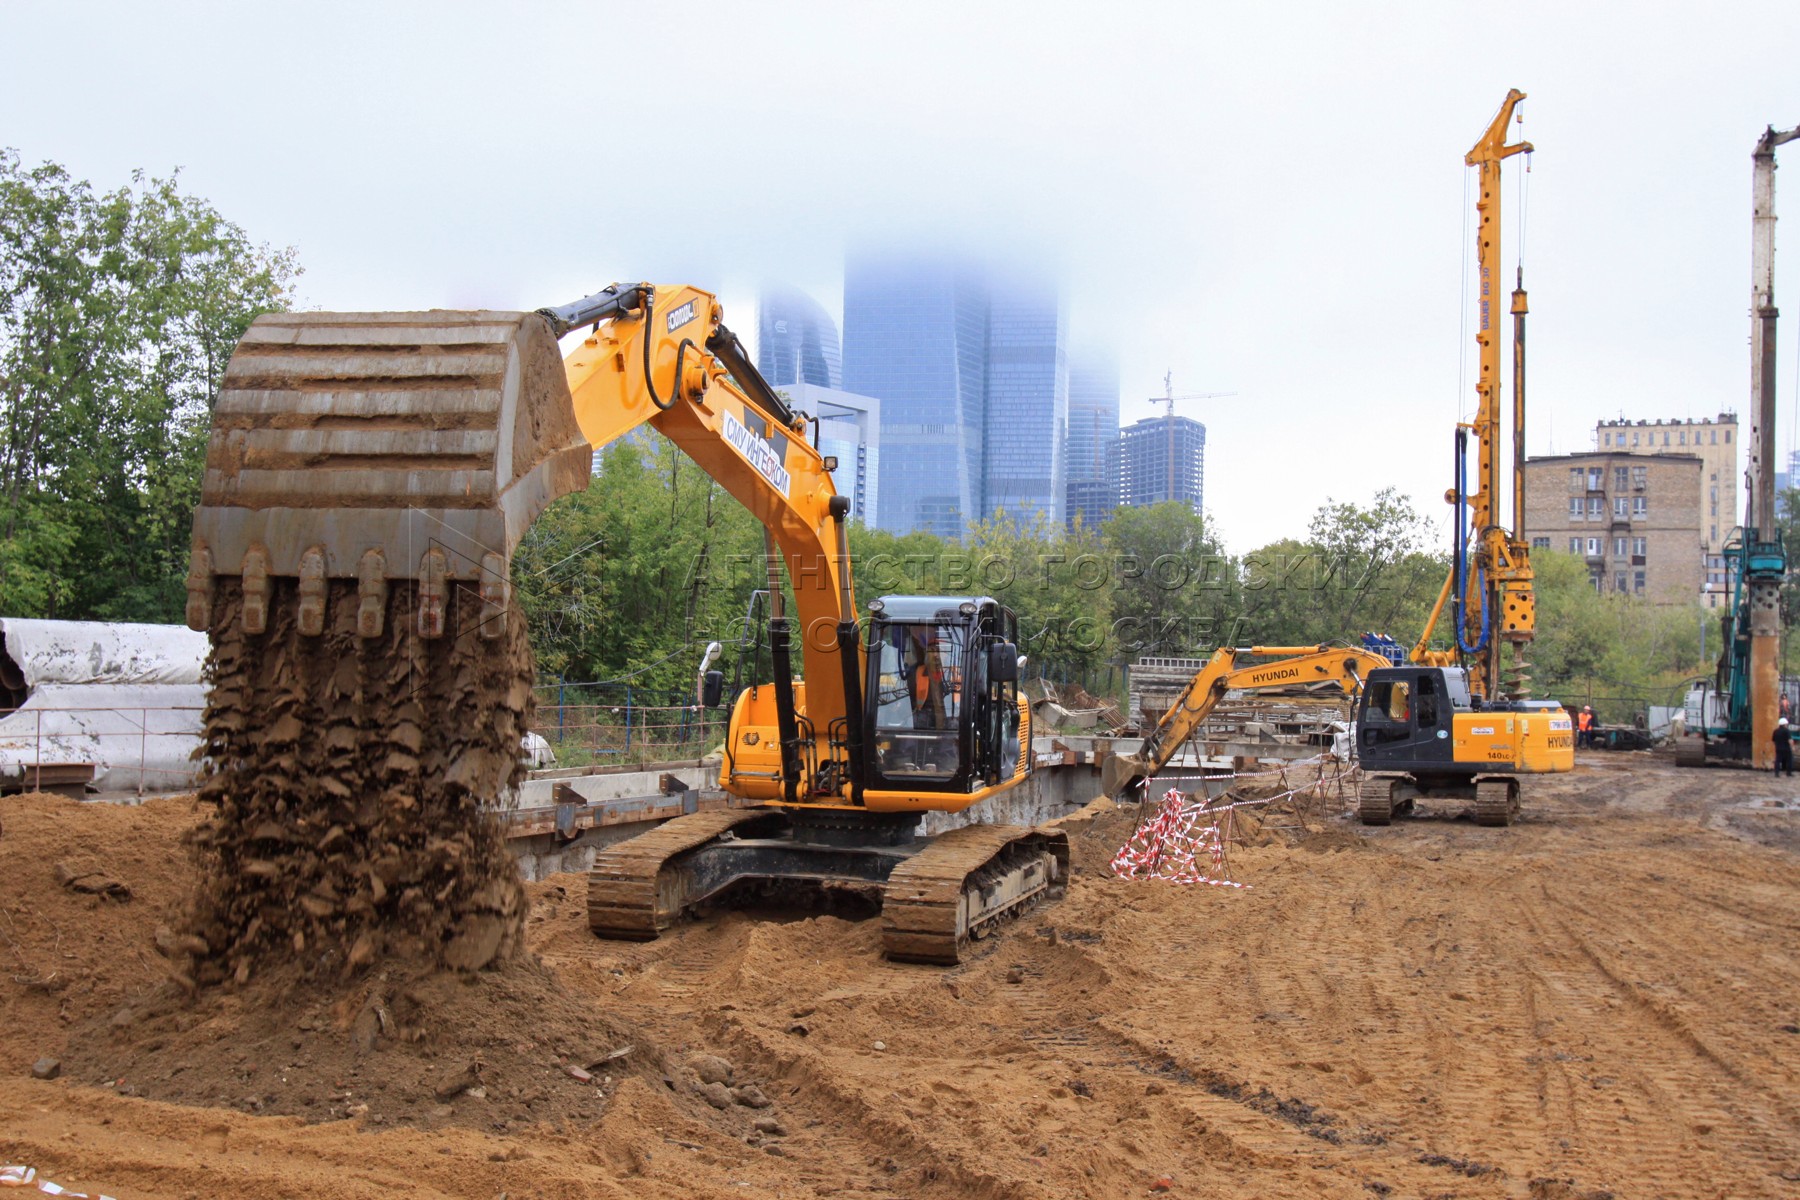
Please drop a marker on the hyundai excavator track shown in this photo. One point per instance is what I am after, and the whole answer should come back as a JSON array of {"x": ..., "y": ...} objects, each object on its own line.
[{"x": 937, "y": 895}]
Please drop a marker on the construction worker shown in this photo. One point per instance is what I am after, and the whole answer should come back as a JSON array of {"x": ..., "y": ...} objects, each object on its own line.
[
  {"x": 1784, "y": 748},
  {"x": 1584, "y": 725}
]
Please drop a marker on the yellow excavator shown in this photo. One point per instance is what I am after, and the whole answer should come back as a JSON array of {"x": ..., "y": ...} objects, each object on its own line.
[
  {"x": 1419, "y": 732},
  {"x": 354, "y": 451}
]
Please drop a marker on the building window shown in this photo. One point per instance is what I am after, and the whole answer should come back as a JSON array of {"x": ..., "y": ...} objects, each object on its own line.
[
  {"x": 1715, "y": 437},
  {"x": 1712, "y": 533},
  {"x": 1576, "y": 508},
  {"x": 1683, "y": 438},
  {"x": 1593, "y": 547},
  {"x": 1575, "y": 484},
  {"x": 1618, "y": 506},
  {"x": 1619, "y": 581},
  {"x": 1595, "y": 477},
  {"x": 1634, "y": 439},
  {"x": 1728, "y": 437},
  {"x": 1574, "y": 545},
  {"x": 1640, "y": 506},
  {"x": 1637, "y": 582},
  {"x": 1640, "y": 477},
  {"x": 1619, "y": 476},
  {"x": 1637, "y": 547},
  {"x": 1540, "y": 543},
  {"x": 1665, "y": 437},
  {"x": 1596, "y": 508},
  {"x": 1619, "y": 547}
]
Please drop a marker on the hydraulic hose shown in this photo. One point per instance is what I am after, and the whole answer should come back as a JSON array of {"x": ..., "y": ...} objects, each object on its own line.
[{"x": 1460, "y": 550}]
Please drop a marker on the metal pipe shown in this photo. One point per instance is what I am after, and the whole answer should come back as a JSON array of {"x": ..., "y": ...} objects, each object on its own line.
[{"x": 1519, "y": 309}]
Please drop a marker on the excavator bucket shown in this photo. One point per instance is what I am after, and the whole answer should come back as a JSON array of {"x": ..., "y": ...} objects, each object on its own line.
[
  {"x": 382, "y": 447},
  {"x": 1121, "y": 772}
]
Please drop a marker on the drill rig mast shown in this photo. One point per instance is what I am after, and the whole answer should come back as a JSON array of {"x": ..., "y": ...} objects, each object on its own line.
[{"x": 1489, "y": 586}]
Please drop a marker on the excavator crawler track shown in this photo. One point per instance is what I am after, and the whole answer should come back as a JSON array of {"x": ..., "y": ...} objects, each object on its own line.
[
  {"x": 1495, "y": 802},
  {"x": 1375, "y": 800},
  {"x": 965, "y": 883},
  {"x": 631, "y": 894}
]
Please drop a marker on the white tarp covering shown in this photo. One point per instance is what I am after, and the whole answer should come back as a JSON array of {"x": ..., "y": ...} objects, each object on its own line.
[
  {"x": 98, "y": 652},
  {"x": 126, "y": 698}
]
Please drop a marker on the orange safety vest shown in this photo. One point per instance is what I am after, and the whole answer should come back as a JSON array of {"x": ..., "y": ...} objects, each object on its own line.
[{"x": 1584, "y": 721}]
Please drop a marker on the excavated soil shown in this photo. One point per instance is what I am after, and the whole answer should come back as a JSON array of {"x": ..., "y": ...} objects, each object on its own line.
[
  {"x": 1598, "y": 1001},
  {"x": 349, "y": 776}
]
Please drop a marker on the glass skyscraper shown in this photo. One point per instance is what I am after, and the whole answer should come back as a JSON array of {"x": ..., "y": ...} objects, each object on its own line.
[
  {"x": 1027, "y": 399},
  {"x": 796, "y": 340},
  {"x": 971, "y": 368},
  {"x": 1093, "y": 428},
  {"x": 915, "y": 337}
]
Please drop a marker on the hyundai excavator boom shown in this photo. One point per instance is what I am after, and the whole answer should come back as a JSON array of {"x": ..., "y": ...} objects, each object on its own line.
[{"x": 1287, "y": 666}]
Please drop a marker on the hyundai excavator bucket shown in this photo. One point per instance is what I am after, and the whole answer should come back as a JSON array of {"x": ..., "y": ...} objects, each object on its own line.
[{"x": 1121, "y": 772}]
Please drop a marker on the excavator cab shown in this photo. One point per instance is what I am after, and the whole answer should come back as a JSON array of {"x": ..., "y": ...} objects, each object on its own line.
[{"x": 941, "y": 711}]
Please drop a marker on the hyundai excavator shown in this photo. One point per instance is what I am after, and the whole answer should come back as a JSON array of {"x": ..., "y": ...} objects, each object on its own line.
[
  {"x": 354, "y": 452},
  {"x": 1419, "y": 732}
]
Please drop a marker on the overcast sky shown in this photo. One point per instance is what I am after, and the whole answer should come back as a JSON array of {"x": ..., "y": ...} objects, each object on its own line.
[{"x": 1263, "y": 199}]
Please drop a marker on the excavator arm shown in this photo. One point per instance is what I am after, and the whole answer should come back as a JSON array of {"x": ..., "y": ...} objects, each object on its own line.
[{"x": 1291, "y": 666}]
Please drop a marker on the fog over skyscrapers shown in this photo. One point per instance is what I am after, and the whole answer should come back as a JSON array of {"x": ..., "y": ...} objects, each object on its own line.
[
  {"x": 970, "y": 363},
  {"x": 1092, "y": 487},
  {"x": 796, "y": 340}
]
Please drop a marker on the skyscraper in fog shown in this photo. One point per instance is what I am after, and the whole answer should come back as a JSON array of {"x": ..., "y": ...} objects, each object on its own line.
[
  {"x": 796, "y": 340},
  {"x": 1093, "y": 428},
  {"x": 971, "y": 367},
  {"x": 915, "y": 338},
  {"x": 1027, "y": 398}
]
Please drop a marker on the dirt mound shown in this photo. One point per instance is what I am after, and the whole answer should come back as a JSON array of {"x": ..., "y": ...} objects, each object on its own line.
[
  {"x": 408, "y": 1044},
  {"x": 349, "y": 775},
  {"x": 70, "y": 954}
]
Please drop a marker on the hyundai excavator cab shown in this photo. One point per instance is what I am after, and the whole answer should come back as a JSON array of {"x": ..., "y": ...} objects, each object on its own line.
[
  {"x": 367, "y": 480},
  {"x": 1420, "y": 734}
]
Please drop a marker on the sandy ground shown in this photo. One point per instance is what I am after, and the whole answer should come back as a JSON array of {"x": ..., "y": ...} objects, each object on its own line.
[{"x": 1598, "y": 1001}]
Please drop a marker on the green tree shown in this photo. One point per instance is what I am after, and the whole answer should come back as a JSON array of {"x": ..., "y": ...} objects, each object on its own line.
[
  {"x": 118, "y": 313},
  {"x": 1359, "y": 569},
  {"x": 1175, "y": 591},
  {"x": 1060, "y": 585}
]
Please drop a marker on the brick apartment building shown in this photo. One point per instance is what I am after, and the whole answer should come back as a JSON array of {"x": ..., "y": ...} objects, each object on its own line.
[
  {"x": 1635, "y": 518},
  {"x": 1714, "y": 441}
]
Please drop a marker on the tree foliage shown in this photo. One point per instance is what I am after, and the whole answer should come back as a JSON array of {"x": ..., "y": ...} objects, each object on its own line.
[{"x": 118, "y": 313}]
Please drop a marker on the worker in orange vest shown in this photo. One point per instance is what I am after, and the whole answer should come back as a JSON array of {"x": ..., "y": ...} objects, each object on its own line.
[{"x": 1584, "y": 723}]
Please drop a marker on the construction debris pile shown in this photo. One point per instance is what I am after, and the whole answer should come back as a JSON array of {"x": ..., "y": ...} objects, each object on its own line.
[{"x": 349, "y": 775}]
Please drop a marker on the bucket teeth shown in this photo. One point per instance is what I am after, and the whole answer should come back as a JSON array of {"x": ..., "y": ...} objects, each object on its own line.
[
  {"x": 371, "y": 593},
  {"x": 309, "y": 617},
  {"x": 496, "y": 592},
  {"x": 434, "y": 568},
  {"x": 200, "y": 589},
  {"x": 256, "y": 590}
]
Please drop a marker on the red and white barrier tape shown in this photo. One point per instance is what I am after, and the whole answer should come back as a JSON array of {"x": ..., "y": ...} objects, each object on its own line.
[
  {"x": 18, "y": 1177},
  {"x": 1178, "y": 844}
]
